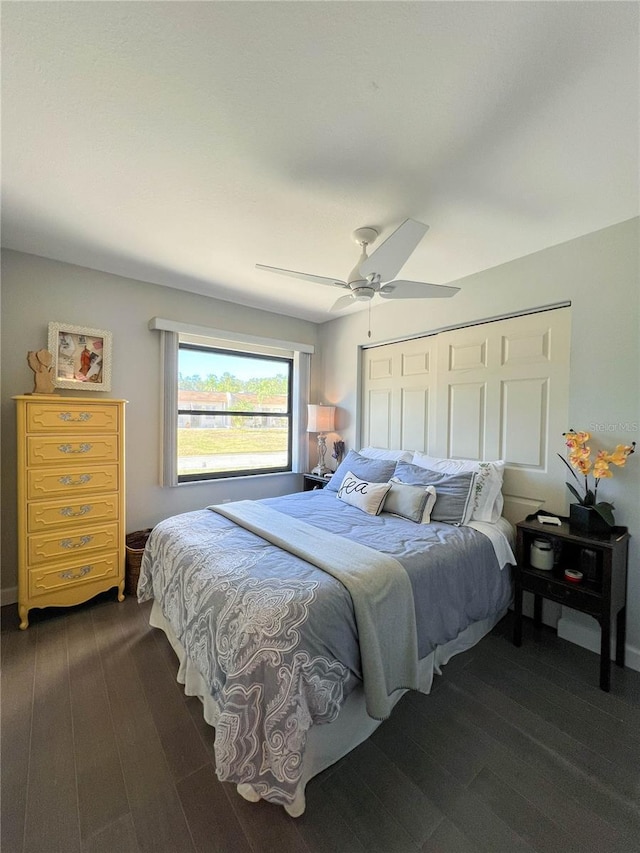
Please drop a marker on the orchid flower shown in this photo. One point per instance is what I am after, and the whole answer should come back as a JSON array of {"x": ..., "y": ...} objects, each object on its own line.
[{"x": 580, "y": 460}]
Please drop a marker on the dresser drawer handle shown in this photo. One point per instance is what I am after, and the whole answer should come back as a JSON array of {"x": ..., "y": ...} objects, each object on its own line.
[
  {"x": 69, "y": 543},
  {"x": 68, "y": 448},
  {"x": 69, "y": 576},
  {"x": 68, "y": 417},
  {"x": 69, "y": 481},
  {"x": 68, "y": 512}
]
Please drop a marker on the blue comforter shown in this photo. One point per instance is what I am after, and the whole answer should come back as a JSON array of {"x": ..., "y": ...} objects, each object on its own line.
[{"x": 275, "y": 638}]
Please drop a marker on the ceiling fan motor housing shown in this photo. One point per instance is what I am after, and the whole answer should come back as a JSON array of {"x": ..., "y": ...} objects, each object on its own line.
[{"x": 363, "y": 293}]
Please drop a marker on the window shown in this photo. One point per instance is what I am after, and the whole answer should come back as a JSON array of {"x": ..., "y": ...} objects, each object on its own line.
[
  {"x": 293, "y": 358},
  {"x": 234, "y": 413}
]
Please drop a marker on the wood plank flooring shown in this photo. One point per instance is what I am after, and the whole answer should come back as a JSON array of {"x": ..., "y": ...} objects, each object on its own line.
[{"x": 514, "y": 750}]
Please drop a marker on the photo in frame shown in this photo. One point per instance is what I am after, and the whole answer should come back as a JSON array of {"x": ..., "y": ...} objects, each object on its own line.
[{"x": 81, "y": 357}]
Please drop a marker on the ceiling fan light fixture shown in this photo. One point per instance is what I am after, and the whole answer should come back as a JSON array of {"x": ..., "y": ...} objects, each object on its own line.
[{"x": 363, "y": 294}]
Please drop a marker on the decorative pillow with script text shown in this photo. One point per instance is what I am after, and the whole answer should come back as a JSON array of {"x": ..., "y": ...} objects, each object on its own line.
[{"x": 366, "y": 496}]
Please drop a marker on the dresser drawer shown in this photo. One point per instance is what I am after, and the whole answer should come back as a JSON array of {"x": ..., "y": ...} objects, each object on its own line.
[
  {"x": 61, "y": 449},
  {"x": 43, "y": 581},
  {"x": 78, "y": 480},
  {"x": 44, "y": 547},
  {"x": 47, "y": 515},
  {"x": 564, "y": 593},
  {"x": 66, "y": 416}
]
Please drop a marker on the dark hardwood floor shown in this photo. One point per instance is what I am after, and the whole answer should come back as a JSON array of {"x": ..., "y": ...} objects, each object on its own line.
[{"x": 514, "y": 750}]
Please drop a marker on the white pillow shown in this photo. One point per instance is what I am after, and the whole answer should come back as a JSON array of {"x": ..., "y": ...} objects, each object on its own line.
[
  {"x": 383, "y": 453},
  {"x": 487, "y": 499},
  {"x": 368, "y": 497},
  {"x": 412, "y": 502}
]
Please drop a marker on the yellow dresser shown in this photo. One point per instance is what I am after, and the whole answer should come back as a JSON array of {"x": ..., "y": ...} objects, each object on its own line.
[{"x": 70, "y": 500}]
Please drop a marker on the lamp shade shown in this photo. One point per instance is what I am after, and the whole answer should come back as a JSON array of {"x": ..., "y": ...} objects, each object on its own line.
[{"x": 321, "y": 418}]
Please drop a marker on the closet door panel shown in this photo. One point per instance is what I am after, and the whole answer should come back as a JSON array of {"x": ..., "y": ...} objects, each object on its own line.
[
  {"x": 414, "y": 428},
  {"x": 466, "y": 420},
  {"x": 379, "y": 432},
  {"x": 525, "y": 415}
]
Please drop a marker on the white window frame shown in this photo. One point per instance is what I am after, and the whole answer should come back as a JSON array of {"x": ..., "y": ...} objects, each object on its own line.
[{"x": 173, "y": 333}]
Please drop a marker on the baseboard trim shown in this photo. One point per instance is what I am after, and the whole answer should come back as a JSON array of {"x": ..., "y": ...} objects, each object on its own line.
[
  {"x": 632, "y": 657},
  {"x": 9, "y": 596},
  {"x": 589, "y": 638}
]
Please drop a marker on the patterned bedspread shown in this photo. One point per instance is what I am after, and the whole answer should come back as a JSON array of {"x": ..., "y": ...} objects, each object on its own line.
[{"x": 275, "y": 638}]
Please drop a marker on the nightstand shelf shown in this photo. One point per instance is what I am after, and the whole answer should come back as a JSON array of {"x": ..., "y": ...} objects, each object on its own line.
[
  {"x": 601, "y": 593},
  {"x": 311, "y": 482}
]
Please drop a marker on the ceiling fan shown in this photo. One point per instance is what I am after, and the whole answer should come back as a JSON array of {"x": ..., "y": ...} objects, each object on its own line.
[{"x": 375, "y": 274}]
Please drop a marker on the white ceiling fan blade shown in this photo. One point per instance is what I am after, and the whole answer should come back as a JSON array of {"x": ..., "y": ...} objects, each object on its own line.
[
  {"x": 318, "y": 279},
  {"x": 343, "y": 302},
  {"x": 389, "y": 258},
  {"x": 415, "y": 290}
]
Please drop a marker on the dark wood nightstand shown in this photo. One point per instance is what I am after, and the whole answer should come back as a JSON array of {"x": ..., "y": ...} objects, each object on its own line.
[
  {"x": 602, "y": 592},
  {"x": 310, "y": 482}
]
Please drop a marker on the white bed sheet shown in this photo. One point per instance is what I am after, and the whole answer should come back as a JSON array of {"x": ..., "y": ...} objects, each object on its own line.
[{"x": 502, "y": 537}]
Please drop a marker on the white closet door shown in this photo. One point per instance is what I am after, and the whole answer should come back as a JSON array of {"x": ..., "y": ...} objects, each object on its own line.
[
  {"x": 497, "y": 390},
  {"x": 398, "y": 385},
  {"x": 502, "y": 393}
]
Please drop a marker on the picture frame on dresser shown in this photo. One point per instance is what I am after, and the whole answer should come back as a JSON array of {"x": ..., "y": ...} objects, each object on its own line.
[{"x": 81, "y": 357}]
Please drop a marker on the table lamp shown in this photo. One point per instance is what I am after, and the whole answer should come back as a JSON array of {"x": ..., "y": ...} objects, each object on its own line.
[{"x": 321, "y": 420}]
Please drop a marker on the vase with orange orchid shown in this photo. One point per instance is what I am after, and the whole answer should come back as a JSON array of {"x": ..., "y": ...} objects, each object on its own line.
[{"x": 580, "y": 460}]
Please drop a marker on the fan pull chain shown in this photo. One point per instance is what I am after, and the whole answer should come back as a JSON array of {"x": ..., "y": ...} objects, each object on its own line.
[{"x": 369, "y": 332}]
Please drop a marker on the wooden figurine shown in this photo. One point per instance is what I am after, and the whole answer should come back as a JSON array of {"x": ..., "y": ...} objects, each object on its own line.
[{"x": 40, "y": 363}]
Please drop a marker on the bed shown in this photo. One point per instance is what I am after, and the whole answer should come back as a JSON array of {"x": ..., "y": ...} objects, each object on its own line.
[{"x": 301, "y": 620}]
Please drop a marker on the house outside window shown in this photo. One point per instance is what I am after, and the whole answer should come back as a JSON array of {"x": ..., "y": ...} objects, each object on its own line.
[{"x": 234, "y": 413}]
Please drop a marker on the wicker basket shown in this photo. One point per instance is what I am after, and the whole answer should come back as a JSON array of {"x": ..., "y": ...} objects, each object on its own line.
[{"x": 134, "y": 544}]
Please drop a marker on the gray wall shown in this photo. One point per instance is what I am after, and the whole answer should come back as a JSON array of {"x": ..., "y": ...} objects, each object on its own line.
[
  {"x": 599, "y": 274},
  {"x": 36, "y": 291}
]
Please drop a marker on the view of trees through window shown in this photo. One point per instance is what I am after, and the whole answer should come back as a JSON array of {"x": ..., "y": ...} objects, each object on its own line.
[{"x": 234, "y": 413}]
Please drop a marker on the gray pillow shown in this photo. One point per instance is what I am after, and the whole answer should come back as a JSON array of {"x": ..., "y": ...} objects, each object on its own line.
[
  {"x": 372, "y": 470},
  {"x": 407, "y": 501},
  {"x": 454, "y": 501}
]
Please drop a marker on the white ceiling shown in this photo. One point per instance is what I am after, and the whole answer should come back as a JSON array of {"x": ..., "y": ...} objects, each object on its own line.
[{"x": 182, "y": 142}]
